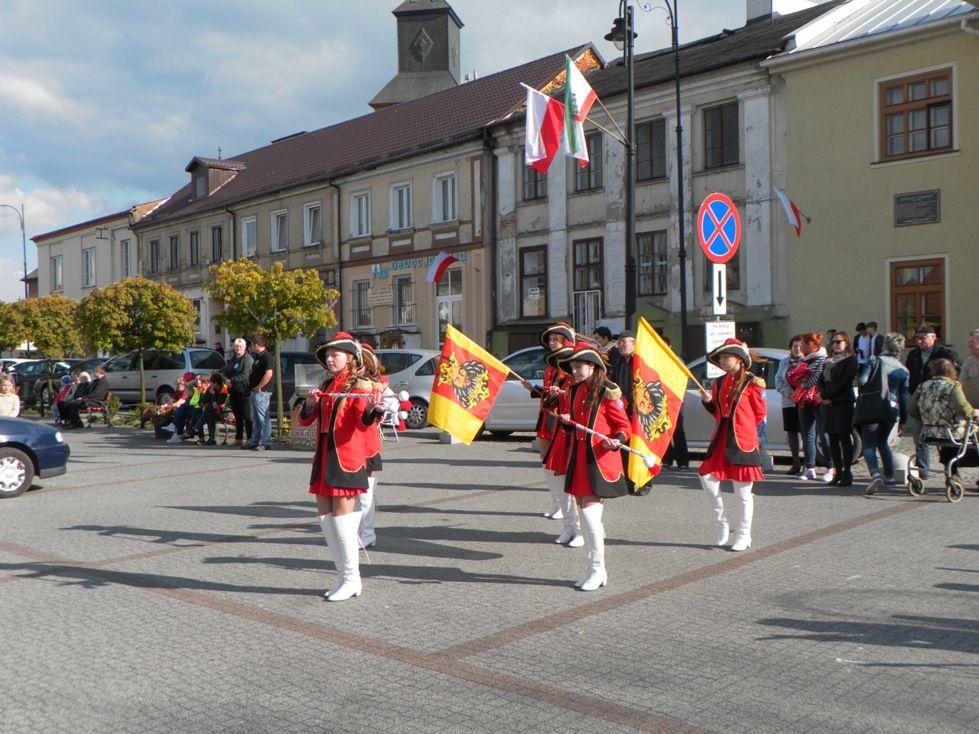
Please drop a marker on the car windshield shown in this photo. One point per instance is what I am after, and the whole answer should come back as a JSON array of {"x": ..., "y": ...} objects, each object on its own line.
[
  {"x": 394, "y": 362},
  {"x": 529, "y": 365}
]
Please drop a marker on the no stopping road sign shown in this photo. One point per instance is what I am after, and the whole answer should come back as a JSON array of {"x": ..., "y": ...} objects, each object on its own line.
[{"x": 718, "y": 228}]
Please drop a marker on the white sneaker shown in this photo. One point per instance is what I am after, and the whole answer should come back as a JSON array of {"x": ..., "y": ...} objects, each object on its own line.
[
  {"x": 829, "y": 476},
  {"x": 807, "y": 475},
  {"x": 174, "y": 440},
  {"x": 169, "y": 427}
]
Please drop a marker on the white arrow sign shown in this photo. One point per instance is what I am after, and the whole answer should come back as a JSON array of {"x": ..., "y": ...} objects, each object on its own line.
[{"x": 719, "y": 278}]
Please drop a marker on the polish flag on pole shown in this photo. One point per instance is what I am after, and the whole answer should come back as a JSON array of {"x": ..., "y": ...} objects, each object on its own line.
[
  {"x": 578, "y": 99},
  {"x": 438, "y": 267},
  {"x": 791, "y": 211},
  {"x": 545, "y": 121}
]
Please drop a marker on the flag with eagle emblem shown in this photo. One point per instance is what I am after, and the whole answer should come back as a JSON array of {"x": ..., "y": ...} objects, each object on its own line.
[
  {"x": 659, "y": 382},
  {"x": 467, "y": 381}
]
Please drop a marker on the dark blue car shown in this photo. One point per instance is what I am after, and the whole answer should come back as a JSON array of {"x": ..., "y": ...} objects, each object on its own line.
[{"x": 28, "y": 450}]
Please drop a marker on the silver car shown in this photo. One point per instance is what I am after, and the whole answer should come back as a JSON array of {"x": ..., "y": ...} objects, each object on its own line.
[
  {"x": 160, "y": 371},
  {"x": 515, "y": 409}
]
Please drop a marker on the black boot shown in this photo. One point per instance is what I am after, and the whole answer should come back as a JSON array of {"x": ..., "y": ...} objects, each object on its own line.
[{"x": 845, "y": 478}]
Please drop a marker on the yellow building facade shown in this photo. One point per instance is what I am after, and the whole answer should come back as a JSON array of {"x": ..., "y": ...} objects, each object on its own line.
[{"x": 883, "y": 156}]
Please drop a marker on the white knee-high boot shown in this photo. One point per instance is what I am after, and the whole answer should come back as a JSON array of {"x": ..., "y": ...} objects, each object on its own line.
[
  {"x": 347, "y": 530},
  {"x": 746, "y": 510},
  {"x": 368, "y": 538},
  {"x": 591, "y": 517},
  {"x": 555, "y": 488},
  {"x": 330, "y": 534},
  {"x": 712, "y": 486},
  {"x": 572, "y": 526}
]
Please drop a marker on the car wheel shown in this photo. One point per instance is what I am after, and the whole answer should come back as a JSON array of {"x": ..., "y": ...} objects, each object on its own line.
[
  {"x": 16, "y": 472},
  {"x": 418, "y": 414},
  {"x": 164, "y": 391},
  {"x": 857, "y": 439}
]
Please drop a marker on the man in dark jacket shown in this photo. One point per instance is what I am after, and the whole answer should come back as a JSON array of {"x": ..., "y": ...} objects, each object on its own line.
[
  {"x": 97, "y": 393},
  {"x": 928, "y": 349},
  {"x": 237, "y": 372}
]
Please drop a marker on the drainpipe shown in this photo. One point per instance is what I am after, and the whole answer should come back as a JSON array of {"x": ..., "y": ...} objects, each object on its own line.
[
  {"x": 234, "y": 233},
  {"x": 339, "y": 253},
  {"x": 964, "y": 25}
]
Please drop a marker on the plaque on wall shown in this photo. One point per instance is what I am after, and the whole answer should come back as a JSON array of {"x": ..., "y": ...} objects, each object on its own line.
[{"x": 917, "y": 207}]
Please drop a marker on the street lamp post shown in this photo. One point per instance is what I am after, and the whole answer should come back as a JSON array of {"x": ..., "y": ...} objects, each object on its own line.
[{"x": 23, "y": 239}]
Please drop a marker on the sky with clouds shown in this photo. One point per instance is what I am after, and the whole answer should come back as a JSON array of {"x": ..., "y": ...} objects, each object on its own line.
[{"x": 103, "y": 102}]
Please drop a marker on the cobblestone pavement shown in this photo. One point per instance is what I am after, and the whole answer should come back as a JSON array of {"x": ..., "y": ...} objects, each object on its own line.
[{"x": 178, "y": 589}]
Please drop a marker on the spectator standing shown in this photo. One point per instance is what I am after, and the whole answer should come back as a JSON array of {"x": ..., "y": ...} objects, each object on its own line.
[
  {"x": 238, "y": 373},
  {"x": 927, "y": 349},
  {"x": 259, "y": 380},
  {"x": 9, "y": 402},
  {"x": 836, "y": 389},
  {"x": 805, "y": 378},
  {"x": 867, "y": 343},
  {"x": 883, "y": 382},
  {"x": 790, "y": 411}
]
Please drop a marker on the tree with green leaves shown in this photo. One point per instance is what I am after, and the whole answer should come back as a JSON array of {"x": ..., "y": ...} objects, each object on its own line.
[
  {"x": 276, "y": 303},
  {"x": 137, "y": 314},
  {"x": 11, "y": 327},
  {"x": 49, "y": 324}
]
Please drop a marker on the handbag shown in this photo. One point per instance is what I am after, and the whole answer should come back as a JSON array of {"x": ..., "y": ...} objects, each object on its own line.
[{"x": 873, "y": 398}]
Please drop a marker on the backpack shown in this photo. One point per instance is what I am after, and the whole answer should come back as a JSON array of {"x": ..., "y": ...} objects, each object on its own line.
[{"x": 873, "y": 397}]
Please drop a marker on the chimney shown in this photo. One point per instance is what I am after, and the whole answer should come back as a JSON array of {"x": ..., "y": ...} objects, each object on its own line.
[
  {"x": 762, "y": 9},
  {"x": 428, "y": 52}
]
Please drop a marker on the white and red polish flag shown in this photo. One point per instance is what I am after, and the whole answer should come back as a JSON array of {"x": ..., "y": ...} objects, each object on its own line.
[
  {"x": 791, "y": 211},
  {"x": 438, "y": 267},
  {"x": 578, "y": 99},
  {"x": 545, "y": 122}
]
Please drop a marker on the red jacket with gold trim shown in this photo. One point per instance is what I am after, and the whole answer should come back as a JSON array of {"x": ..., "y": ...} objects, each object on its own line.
[
  {"x": 546, "y": 423},
  {"x": 347, "y": 426},
  {"x": 609, "y": 418},
  {"x": 738, "y": 408}
]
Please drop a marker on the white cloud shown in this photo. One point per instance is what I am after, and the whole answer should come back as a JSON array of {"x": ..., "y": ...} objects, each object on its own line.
[
  {"x": 45, "y": 208},
  {"x": 32, "y": 96},
  {"x": 11, "y": 287}
]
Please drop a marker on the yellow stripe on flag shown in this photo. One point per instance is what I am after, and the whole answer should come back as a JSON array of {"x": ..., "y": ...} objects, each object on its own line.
[
  {"x": 452, "y": 417},
  {"x": 659, "y": 385}
]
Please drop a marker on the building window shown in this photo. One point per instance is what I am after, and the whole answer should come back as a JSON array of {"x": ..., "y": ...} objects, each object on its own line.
[
  {"x": 918, "y": 296},
  {"x": 533, "y": 281},
  {"x": 200, "y": 187},
  {"x": 88, "y": 267},
  {"x": 362, "y": 313},
  {"x": 444, "y": 205},
  {"x": 198, "y": 304},
  {"x": 360, "y": 214},
  {"x": 124, "y": 265},
  {"x": 652, "y": 263},
  {"x": 249, "y": 236},
  {"x": 217, "y": 246},
  {"x": 448, "y": 301},
  {"x": 195, "y": 248},
  {"x": 403, "y": 306},
  {"x": 401, "y": 206},
  {"x": 154, "y": 256},
  {"x": 534, "y": 184},
  {"x": 587, "y": 261},
  {"x": 916, "y": 115},
  {"x": 57, "y": 274},
  {"x": 312, "y": 225},
  {"x": 174, "y": 261},
  {"x": 651, "y": 150},
  {"x": 721, "y": 136},
  {"x": 590, "y": 177},
  {"x": 280, "y": 230}
]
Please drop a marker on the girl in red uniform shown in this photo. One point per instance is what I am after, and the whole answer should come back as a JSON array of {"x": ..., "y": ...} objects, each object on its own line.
[
  {"x": 557, "y": 340},
  {"x": 594, "y": 467},
  {"x": 343, "y": 446},
  {"x": 737, "y": 401},
  {"x": 386, "y": 401}
]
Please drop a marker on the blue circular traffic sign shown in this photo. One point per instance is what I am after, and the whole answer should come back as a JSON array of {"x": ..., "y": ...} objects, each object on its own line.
[{"x": 718, "y": 228}]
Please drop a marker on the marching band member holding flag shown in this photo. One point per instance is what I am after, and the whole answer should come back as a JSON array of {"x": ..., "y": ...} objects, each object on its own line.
[
  {"x": 557, "y": 340},
  {"x": 594, "y": 467},
  {"x": 344, "y": 444},
  {"x": 737, "y": 401},
  {"x": 387, "y": 402}
]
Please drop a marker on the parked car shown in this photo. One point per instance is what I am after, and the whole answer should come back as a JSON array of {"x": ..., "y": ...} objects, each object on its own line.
[
  {"x": 10, "y": 365},
  {"x": 160, "y": 371},
  {"x": 29, "y": 450},
  {"x": 32, "y": 378},
  {"x": 86, "y": 365},
  {"x": 515, "y": 409},
  {"x": 411, "y": 370}
]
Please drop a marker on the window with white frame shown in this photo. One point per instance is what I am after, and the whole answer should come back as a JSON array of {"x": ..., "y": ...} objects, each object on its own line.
[
  {"x": 362, "y": 312},
  {"x": 279, "y": 227},
  {"x": 312, "y": 225},
  {"x": 124, "y": 264},
  {"x": 403, "y": 306},
  {"x": 57, "y": 274},
  {"x": 360, "y": 214},
  {"x": 652, "y": 263},
  {"x": 444, "y": 198},
  {"x": 249, "y": 236},
  {"x": 88, "y": 267},
  {"x": 195, "y": 248},
  {"x": 401, "y": 206}
]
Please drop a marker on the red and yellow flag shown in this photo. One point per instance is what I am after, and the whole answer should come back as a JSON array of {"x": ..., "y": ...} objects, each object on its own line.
[
  {"x": 467, "y": 381},
  {"x": 659, "y": 382}
]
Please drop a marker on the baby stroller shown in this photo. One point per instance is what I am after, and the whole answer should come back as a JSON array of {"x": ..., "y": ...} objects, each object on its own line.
[{"x": 966, "y": 453}]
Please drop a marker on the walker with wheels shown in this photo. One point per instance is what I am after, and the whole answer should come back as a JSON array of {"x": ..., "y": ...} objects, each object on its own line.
[{"x": 966, "y": 454}]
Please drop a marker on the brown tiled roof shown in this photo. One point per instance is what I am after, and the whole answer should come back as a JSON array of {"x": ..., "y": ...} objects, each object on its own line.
[
  {"x": 135, "y": 212},
  {"x": 755, "y": 41},
  {"x": 225, "y": 164},
  {"x": 436, "y": 121}
]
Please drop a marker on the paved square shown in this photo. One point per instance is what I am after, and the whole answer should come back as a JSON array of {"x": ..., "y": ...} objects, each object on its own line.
[{"x": 158, "y": 588}]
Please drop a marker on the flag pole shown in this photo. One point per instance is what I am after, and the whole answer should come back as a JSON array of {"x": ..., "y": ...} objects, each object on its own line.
[
  {"x": 605, "y": 129},
  {"x": 621, "y": 135},
  {"x": 647, "y": 459}
]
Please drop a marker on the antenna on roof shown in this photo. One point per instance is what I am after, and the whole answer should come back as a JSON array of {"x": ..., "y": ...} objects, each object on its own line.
[{"x": 219, "y": 152}]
